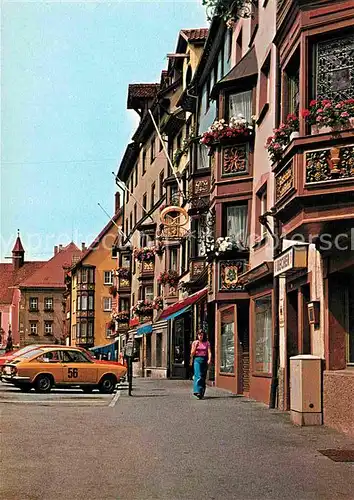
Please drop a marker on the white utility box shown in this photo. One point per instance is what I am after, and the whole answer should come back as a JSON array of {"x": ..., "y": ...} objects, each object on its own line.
[{"x": 305, "y": 390}]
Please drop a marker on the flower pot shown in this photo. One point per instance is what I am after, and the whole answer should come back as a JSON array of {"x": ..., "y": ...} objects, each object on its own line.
[
  {"x": 321, "y": 129},
  {"x": 294, "y": 135}
]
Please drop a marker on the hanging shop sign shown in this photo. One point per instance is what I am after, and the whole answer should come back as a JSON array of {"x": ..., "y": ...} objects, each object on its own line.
[
  {"x": 292, "y": 259},
  {"x": 173, "y": 219}
]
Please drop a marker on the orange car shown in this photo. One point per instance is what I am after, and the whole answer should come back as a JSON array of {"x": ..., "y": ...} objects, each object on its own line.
[{"x": 46, "y": 367}]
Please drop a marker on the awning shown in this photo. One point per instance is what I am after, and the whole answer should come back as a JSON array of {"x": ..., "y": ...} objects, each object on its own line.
[
  {"x": 178, "y": 307},
  {"x": 178, "y": 313},
  {"x": 108, "y": 349},
  {"x": 144, "y": 329}
]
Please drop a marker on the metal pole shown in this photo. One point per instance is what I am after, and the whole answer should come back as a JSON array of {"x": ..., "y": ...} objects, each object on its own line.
[{"x": 130, "y": 375}]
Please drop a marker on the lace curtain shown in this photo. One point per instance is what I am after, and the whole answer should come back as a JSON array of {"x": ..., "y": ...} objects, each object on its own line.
[
  {"x": 237, "y": 224},
  {"x": 203, "y": 158},
  {"x": 241, "y": 104}
]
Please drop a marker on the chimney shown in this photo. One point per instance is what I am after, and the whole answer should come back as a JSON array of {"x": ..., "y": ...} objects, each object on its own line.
[
  {"x": 60, "y": 247},
  {"x": 55, "y": 249},
  {"x": 83, "y": 246},
  {"x": 117, "y": 201}
]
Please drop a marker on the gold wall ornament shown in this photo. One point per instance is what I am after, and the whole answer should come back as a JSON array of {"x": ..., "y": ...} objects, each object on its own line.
[{"x": 173, "y": 220}]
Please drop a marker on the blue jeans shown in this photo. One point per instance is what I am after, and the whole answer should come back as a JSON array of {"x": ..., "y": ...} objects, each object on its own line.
[{"x": 200, "y": 366}]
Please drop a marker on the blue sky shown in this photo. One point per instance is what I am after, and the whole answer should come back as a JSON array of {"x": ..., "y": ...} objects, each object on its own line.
[{"x": 65, "y": 70}]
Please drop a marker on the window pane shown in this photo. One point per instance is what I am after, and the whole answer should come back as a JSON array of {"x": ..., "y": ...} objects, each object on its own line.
[
  {"x": 236, "y": 224},
  {"x": 227, "y": 342},
  {"x": 335, "y": 69},
  {"x": 203, "y": 158},
  {"x": 263, "y": 346},
  {"x": 241, "y": 104}
]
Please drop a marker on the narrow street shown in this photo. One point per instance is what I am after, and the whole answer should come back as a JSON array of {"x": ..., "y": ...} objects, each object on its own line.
[{"x": 162, "y": 444}]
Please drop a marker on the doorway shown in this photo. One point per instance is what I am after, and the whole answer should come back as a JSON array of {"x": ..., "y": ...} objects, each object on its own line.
[{"x": 180, "y": 346}]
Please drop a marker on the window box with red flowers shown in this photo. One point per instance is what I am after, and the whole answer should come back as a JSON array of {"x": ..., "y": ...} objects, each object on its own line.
[
  {"x": 220, "y": 130},
  {"x": 327, "y": 116},
  {"x": 145, "y": 254},
  {"x": 121, "y": 316},
  {"x": 158, "y": 303},
  {"x": 143, "y": 308},
  {"x": 113, "y": 291},
  {"x": 281, "y": 137},
  {"x": 170, "y": 278}
]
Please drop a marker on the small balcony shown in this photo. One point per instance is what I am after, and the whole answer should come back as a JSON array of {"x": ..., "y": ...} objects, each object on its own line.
[{"x": 314, "y": 184}]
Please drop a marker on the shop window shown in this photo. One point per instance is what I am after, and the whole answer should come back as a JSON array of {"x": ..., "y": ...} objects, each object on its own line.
[
  {"x": 158, "y": 349},
  {"x": 227, "y": 340},
  {"x": 236, "y": 222},
  {"x": 240, "y": 103},
  {"x": 264, "y": 88},
  {"x": 334, "y": 69},
  {"x": 263, "y": 334}
]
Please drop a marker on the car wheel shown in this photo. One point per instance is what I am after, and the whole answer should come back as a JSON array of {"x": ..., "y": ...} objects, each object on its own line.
[
  {"x": 107, "y": 384},
  {"x": 43, "y": 383},
  {"x": 25, "y": 388},
  {"x": 87, "y": 390}
]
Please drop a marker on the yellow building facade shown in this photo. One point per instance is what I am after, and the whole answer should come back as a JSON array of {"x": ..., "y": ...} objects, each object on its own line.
[{"x": 93, "y": 296}]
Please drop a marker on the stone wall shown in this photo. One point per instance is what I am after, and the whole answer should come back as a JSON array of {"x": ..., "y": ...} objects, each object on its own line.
[{"x": 338, "y": 400}]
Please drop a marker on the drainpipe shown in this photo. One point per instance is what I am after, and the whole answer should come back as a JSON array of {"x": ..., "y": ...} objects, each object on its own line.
[{"x": 277, "y": 244}]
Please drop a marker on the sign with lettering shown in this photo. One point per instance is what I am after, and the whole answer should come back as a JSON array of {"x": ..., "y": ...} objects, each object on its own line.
[{"x": 292, "y": 259}]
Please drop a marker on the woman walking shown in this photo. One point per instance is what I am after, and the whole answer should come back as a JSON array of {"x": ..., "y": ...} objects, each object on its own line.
[{"x": 201, "y": 358}]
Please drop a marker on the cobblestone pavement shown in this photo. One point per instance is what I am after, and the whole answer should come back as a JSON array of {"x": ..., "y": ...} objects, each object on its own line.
[{"x": 162, "y": 444}]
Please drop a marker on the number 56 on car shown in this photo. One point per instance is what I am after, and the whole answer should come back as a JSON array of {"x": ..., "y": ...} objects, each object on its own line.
[{"x": 46, "y": 367}]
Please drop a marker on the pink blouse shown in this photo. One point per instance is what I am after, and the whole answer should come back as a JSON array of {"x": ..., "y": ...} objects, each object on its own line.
[{"x": 202, "y": 349}]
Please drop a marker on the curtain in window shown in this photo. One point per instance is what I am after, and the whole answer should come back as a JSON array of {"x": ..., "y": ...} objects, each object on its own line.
[
  {"x": 203, "y": 158},
  {"x": 237, "y": 224},
  {"x": 241, "y": 104}
]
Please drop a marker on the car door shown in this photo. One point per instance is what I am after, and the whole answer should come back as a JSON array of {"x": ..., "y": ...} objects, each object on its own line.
[
  {"x": 48, "y": 362},
  {"x": 77, "y": 368}
]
